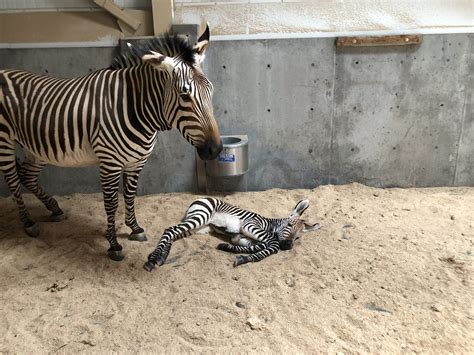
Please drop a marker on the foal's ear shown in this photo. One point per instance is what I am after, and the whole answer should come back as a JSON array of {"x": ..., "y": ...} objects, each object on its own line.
[
  {"x": 311, "y": 227},
  {"x": 300, "y": 208},
  {"x": 201, "y": 45}
]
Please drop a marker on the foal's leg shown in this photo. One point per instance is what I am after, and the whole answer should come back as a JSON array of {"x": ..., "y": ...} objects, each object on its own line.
[
  {"x": 254, "y": 231},
  {"x": 130, "y": 181},
  {"x": 193, "y": 220},
  {"x": 110, "y": 177},
  {"x": 161, "y": 252},
  {"x": 29, "y": 172},
  {"x": 271, "y": 247},
  {"x": 8, "y": 166},
  {"x": 241, "y": 244}
]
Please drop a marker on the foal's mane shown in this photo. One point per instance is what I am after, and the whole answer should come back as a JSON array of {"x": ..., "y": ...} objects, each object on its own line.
[{"x": 169, "y": 45}]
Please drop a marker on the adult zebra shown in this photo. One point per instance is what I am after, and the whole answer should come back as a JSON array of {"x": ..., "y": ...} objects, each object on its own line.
[{"x": 110, "y": 117}]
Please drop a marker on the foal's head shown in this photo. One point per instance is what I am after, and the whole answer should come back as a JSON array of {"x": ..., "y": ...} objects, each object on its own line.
[{"x": 294, "y": 226}]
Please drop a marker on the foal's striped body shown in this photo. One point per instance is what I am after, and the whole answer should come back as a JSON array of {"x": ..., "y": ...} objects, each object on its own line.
[{"x": 250, "y": 232}]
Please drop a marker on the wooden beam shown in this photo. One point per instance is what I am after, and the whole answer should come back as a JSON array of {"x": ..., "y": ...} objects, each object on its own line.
[
  {"x": 162, "y": 15},
  {"x": 116, "y": 11},
  {"x": 401, "y": 40}
]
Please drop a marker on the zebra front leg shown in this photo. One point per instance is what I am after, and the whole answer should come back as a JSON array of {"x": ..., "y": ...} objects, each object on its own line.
[
  {"x": 8, "y": 166},
  {"x": 29, "y": 172},
  {"x": 272, "y": 247},
  {"x": 130, "y": 180},
  {"x": 241, "y": 244},
  {"x": 110, "y": 177}
]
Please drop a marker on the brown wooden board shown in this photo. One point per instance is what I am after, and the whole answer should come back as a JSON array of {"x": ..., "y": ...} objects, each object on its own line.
[{"x": 398, "y": 40}]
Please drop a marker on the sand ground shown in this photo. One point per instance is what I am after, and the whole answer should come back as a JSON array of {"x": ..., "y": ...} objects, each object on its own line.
[{"x": 389, "y": 272}]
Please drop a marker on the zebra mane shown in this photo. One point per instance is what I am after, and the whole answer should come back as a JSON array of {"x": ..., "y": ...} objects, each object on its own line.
[{"x": 169, "y": 45}]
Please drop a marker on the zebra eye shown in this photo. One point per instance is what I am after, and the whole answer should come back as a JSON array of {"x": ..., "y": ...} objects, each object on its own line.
[{"x": 185, "y": 90}]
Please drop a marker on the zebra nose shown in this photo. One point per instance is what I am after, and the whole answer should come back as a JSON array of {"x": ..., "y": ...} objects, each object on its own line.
[
  {"x": 210, "y": 150},
  {"x": 286, "y": 244}
]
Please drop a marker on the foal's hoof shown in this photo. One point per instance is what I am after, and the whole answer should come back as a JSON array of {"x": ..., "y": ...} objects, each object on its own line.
[
  {"x": 138, "y": 237},
  {"x": 33, "y": 230},
  {"x": 115, "y": 255},
  {"x": 239, "y": 260},
  {"x": 56, "y": 217},
  {"x": 149, "y": 266}
]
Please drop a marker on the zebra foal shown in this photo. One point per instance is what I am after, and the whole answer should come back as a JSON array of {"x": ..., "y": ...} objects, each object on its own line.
[
  {"x": 250, "y": 233},
  {"x": 111, "y": 118}
]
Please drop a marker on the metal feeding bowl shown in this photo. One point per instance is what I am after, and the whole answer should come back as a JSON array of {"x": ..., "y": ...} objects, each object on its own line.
[{"x": 233, "y": 160}]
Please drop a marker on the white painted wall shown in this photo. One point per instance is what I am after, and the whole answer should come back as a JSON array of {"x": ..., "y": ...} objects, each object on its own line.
[
  {"x": 328, "y": 16},
  {"x": 286, "y": 17}
]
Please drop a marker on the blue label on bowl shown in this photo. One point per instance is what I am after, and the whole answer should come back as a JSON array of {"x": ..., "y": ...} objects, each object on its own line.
[{"x": 226, "y": 157}]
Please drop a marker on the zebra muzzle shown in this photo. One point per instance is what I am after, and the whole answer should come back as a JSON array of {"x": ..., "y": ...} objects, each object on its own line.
[
  {"x": 210, "y": 150},
  {"x": 286, "y": 244}
]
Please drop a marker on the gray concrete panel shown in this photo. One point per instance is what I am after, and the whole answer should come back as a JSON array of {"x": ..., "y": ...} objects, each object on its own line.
[
  {"x": 398, "y": 113},
  {"x": 279, "y": 93},
  {"x": 391, "y": 116},
  {"x": 60, "y": 62}
]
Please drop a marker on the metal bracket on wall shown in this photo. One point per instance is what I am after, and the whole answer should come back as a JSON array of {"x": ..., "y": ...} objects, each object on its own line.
[{"x": 399, "y": 40}]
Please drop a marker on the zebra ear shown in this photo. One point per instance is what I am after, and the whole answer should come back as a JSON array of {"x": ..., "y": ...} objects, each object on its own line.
[
  {"x": 311, "y": 227},
  {"x": 300, "y": 207},
  {"x": 159, "y": 61},
  {"x": 201, "y": 45}
]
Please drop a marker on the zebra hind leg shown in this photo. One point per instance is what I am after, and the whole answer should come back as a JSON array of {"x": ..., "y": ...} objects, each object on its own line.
[
  {"x": 8, "y": 166},
  {"x": 130, "y": 180},
  {"x": 29, "y": 172},
  {"x": 198, "y": 215},
  {"x": 161, "y": 252},
  {"x": 110, "y": 177}
]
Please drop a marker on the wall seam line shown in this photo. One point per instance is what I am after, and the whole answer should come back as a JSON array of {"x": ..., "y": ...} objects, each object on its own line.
[
  {"x": 463, "y": 117},
  {"x": 333, "y": 96}
]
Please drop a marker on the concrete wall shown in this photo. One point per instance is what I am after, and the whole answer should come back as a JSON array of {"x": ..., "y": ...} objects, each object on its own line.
[{"x": 385, "y": 116}]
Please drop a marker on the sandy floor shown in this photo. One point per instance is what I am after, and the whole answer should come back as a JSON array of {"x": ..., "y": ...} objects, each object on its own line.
[{"x": 391, "y": 271}]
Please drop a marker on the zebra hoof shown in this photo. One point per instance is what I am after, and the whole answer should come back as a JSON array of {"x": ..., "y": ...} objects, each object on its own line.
[
  {"x": 149, "y": 266},
  {"x": 56, "y": 217},
  {"x": 138, "y": 237},
  {"x": 239, "y": 260},
  {"x": 33, "y": 230},
  {"x": 115, "y": 255}
]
